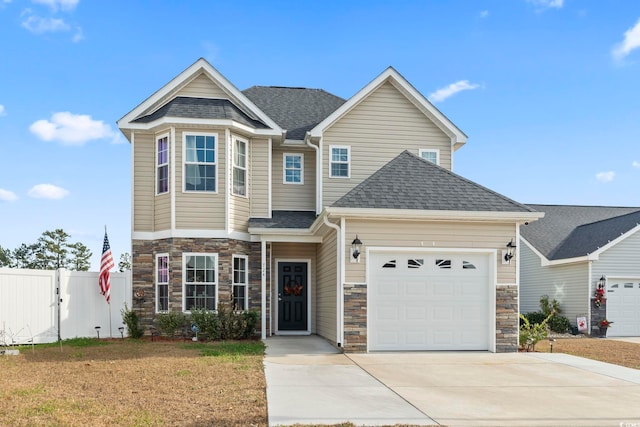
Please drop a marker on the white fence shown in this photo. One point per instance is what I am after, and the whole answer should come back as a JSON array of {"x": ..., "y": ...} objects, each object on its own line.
[{"x": 30, "y": 310}]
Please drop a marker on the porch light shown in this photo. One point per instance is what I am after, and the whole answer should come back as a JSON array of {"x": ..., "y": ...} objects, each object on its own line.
[
  {"x": 511, "y": 250},
  {"x": 602, "y": 282},
  {"x": 97, "y": 328},
  {"x": 355, "y": 249}
]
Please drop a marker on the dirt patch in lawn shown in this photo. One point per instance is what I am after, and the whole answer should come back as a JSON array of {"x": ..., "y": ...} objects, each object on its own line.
[
  {"x": 605, "y": 350},
  {"x": 134, "y": 383}
]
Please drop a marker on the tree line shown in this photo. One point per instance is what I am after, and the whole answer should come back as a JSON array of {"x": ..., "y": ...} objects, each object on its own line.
[{"x": 52, "y": 251}]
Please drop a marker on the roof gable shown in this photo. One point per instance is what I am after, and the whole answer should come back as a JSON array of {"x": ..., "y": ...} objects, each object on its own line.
[
  {"x": 576, "y": 231},
  {"x": 410, "y": 182},
  {"x": 392, "y": 76},
  {"x": 198, "y": 70}
]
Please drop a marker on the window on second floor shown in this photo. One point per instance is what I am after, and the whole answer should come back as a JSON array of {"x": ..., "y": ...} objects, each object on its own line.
[
  {"x": 239, "y": 167},
  {"x": 432, "y": 155},
  {"x": 339, "y": 161},
  {"x": 200, "y": 163},
  {"x": 162, "y": 165},
  {"x": 293, "y": 168}
]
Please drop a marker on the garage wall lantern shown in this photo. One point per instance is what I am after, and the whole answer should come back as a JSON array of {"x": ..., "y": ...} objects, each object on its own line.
[
  {"x": 602, "y": 282},
  {"x": 509, "y": 253},
  {"x": 355, "y": 249}
]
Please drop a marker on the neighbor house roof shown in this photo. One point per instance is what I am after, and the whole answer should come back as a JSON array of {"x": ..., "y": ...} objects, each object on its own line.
[
  {"x": 576, "y": 231},
  {"x": 294, "y": 109},
  {"x": 202, "y": 108},
  {"x": 284, "y": 219},
  {"x": 410, "y": 182}
]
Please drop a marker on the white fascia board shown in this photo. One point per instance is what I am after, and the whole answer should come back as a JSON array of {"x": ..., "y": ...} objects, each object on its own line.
[
  {"x": 200, "y": 66},
  {"x": 614, "y": 242},
  {"x": 273, "y": 237},
  {"x": 194, "y": 234},
  {"x": 166, "y": 120},
  {"x": 434, "y": 215},
  {"x": 390, "y": 74},
  {"x": 545, "y": 262}
]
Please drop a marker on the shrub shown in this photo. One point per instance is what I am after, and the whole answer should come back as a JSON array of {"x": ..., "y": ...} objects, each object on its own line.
[
  {"x": 207, "y": 323},
  {"x": 559, "y": 324},
  {"x": 547, "y": 307},
  {"x": 132, "y": 322},
  {"x": 532, "y": 333},
  {"x": 225, "y": 323},
  {"x": 169, "y": 323}
]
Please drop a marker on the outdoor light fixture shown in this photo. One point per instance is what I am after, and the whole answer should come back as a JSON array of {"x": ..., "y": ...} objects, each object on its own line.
[
  {"x": 355, "y": 249},
  {"x": 510, "y": 252},
  {"x": 121, "y": 329},
  {"x": 97, "y": 328},
  {"x": 602, "y": 282}
]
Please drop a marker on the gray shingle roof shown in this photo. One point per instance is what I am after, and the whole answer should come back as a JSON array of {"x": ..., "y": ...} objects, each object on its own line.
[
  {"x": 295, "y": 109},
  {"x": 284, "y": 219},
  {"x": 202, "y": 108},
  {"x": 575, "y": 231},
  {"x": 410, "y": 182}
]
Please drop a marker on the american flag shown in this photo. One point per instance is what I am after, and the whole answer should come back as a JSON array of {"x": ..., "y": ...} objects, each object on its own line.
[{"x": 106, "y": 264}]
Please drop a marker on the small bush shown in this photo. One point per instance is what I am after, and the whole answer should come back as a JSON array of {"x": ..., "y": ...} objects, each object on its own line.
[
  {"x": 225, "y": 323},
  {"x": 169, "y": 323},
  {"x": 532, "y": 333},
  {"x": 547, "y": 307},
  {"x": 559, "y": 324},
  {"x": 132, "y": 321},
  {"x": 534, "y": 317}
]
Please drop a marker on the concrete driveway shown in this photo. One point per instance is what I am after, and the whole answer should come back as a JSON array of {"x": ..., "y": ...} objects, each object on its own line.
[{"x": 309, "y": 382}]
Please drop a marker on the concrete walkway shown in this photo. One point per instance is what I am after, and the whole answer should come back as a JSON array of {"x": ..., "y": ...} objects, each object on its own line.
[{"x": 309, "y": 382}]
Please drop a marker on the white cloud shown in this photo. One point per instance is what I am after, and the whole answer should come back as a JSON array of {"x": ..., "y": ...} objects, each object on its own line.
[
  {"x": 448, "y": 91},
  {"x": 636, "y": 164},
  {"x": 58, "y": 4},
  {"x": 547, "y": 4},
  {"x": 78, "y": 35},
  {"x": 3, "y": 111},
  {"x": 38, "y": 25},
  {"x": 605, "y": 176},
  {"x": 630, "y": 42},
  {"x": 47, "y": 191},
  {"x": 72, "y": 129},
  {"x": 484, "y": 14},
  {"x": 7, "y": 196}
]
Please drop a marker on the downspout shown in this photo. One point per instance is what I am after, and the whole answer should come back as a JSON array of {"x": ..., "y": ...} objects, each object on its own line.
[
  {"x": 339, "y": 280},
  {"x": 589, "y": 290},
  {"x": 318, "y": 174},
  {"x": 263, "y": 290}
]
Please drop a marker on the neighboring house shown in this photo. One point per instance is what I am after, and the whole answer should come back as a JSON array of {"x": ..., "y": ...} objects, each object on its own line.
[
  {"x": 334, "y": 217},
  {"x": 573, "y": 249}
]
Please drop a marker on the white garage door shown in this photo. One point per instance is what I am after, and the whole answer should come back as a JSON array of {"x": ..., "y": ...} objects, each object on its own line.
[
  {"x": 428, "y": 301},
  {"x": 623, "y": 307}
]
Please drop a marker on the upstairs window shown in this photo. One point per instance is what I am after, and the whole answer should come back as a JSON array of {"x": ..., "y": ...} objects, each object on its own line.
[
  {"x": 162, "y": 165},
  {"x": 430, "y": 155},
  {"x": 239, "y": 167},
  {"x": 339, "y": 162},
  {"x": 293, "y": 168},
  {"x": 200, "y": 163}
]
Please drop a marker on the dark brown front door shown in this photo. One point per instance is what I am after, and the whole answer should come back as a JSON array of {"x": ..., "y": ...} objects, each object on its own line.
[{"x": 292, "y": 296}]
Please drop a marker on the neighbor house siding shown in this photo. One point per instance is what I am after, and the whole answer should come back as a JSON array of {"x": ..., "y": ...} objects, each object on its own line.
[
  {"x": 326, "y": 288},
  {"x": 567, "y": 283},
  {"x": 202, "y": 87},
  {"x": 200, "y": 210},
  {"x": 143, "y": 182},
  {"x": 259, "y": 178},
  {"x": 294, "y": 197},
  {"x": 377, "y": 130},
  {"x": 621, "y": 260},
  {"x": 414, "y": 234}
]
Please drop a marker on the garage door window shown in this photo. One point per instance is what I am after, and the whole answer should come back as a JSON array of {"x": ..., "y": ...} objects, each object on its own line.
[
  {"x": 390, "y": 264},
  {"x": 466, "y": 265},
  {"x": 443, "y": 263},
  {"x": 415, "y": 263}
]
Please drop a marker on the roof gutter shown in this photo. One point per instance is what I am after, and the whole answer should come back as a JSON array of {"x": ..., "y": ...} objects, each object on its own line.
[{"x": 433, "y": 215}]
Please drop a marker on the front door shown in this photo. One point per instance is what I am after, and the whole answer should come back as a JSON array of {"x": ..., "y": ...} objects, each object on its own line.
[{"x": 292, "y": 296}]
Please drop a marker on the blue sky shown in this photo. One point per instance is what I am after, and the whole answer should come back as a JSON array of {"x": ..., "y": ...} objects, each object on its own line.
[{"x": 546, "y": 90}]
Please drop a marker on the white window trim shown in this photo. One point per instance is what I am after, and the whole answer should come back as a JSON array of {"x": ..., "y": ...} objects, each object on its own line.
[
  {"x": 184, "y": 161},
  {"x": 246, "y": 278},
  {"x": 284, "y": 168},
  {"x": 157, "y": 281},
  {"x": 184, "y": 277},
  {"x": 168, "y": 164},
  {"x": 245, "y": 168},
  {"x": 331, "y": 162},
  {"x": 430, "y": 150}
]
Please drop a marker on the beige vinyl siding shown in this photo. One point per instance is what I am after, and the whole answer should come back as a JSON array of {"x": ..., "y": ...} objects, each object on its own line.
[
  {"x": 296, "y": 251},
  {"x": 143, "y": 182},
  {"x": 621, "y": 260},
  {"x": 325, "y": 319},
  {"x": 201, "y": 210},
  {"x": 415, "y": 234},
  {"x": 377, "y": 130},
  {"x": 162, "y": 208},
  {"x": 259, "y": 178},
  {"x": 294, "y": 197},
  {"x": 567, "y": 283},
  {"x": 202, "y": 87}
]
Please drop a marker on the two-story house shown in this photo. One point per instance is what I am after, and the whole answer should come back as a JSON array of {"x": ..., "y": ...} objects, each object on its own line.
[{"x": 334, "y": 217}]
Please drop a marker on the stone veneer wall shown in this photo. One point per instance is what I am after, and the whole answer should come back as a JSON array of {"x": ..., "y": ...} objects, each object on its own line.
[
  {"x": 507, "y": 319},
  {"x": 355, "y": 318},
  {"x": 598, "y": 314},
  {"x": 143, "y": 267}
]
